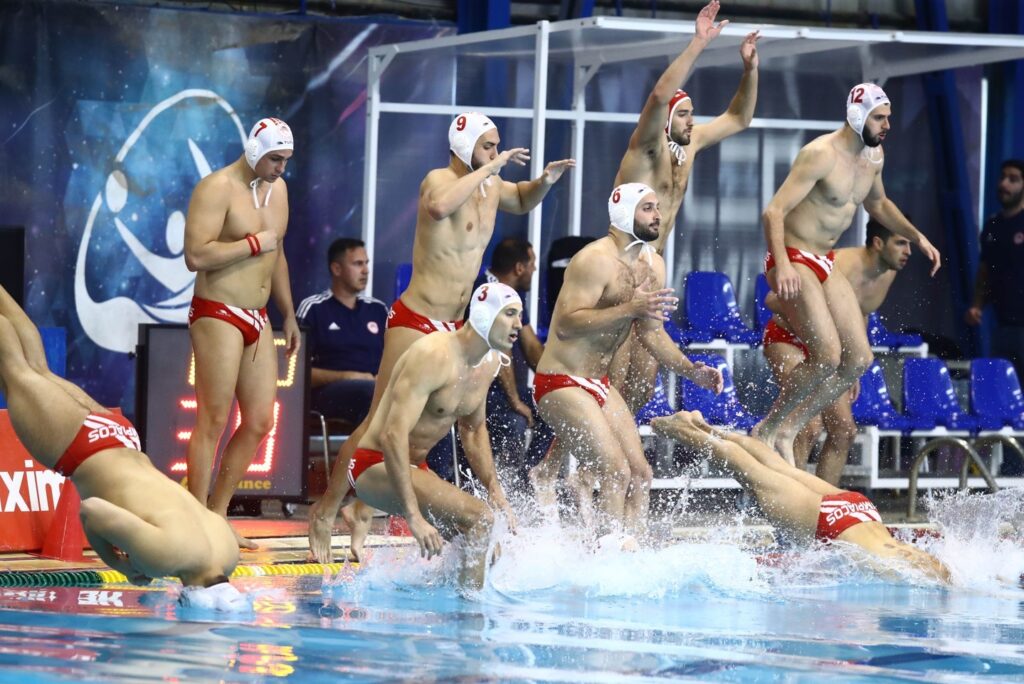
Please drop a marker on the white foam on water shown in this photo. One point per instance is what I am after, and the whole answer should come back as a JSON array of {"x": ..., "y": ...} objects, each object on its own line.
[{"x": 981, "y": 537}]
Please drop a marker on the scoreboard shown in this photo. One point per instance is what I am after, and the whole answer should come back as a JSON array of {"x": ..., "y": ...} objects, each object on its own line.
[{"x": 165, "y": 400}]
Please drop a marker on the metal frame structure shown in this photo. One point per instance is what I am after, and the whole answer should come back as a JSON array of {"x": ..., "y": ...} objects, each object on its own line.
[{"x": 576, "y": 41}]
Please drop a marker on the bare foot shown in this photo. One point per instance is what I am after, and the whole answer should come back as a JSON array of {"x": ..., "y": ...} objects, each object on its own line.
[
  {"x": 362, "y": 517},
  {"x": 320, "y": 528},
  {"x": 618, "y": 541},
  {"x": 243, "y": 543}
]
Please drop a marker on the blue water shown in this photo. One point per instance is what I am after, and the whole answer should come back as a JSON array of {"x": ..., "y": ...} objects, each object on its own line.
[{"x": 554, "y": 610}]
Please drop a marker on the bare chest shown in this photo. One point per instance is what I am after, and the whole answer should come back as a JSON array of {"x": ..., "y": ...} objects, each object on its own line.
[
  {"x": 626, "y": 279},
  {"x": 847, "y": 184},
  {"x": 462, "y": 397},
  {"x": 245, "y": 218}
]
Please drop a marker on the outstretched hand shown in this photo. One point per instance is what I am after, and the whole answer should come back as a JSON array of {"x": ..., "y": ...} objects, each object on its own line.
[
  {"x": 748, "y": 50},
  {"x": 707, "y": 29},
  {"x": 554, "y": 170},
  {"x": 516, "y": 155},
  {"x": 707, "y": 377}
]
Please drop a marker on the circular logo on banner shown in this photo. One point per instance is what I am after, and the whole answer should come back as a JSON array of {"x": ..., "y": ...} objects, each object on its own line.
[
  {"x": 373, "y": 327},
  {"x": 1018, "y": 239}
]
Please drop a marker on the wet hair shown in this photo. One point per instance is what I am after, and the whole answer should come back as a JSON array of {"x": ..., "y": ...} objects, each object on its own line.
[
  {"x": 1013, "y": 164},
  {"x": 340, "y": 246},
  {"x": 508, "y": 253}
]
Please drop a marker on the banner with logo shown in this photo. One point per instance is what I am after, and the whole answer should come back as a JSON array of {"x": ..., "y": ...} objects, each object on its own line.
[{"x": 110, "y": 115}]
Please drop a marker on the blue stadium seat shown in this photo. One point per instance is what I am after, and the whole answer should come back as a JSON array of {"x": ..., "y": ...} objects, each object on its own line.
[
  {"x": 996, "y": 398},
  {"x": 710, "y": 310},
  {"x": 874, "y": 405},
  {"x": 880, "y": 336},
  {"x": 723, "y": 409},
  {"x": 658, "y": 405},
  {"x": 762, "y": 314},
  {"x": 403, "y": 274},
  {"x": 928, "y": 397}
]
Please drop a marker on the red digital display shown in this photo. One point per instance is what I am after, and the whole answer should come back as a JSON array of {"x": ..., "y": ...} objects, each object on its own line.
[{"x": 167, "y": 413}]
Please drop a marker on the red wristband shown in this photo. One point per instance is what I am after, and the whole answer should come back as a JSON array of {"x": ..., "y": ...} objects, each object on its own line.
[{"x": 254, "y": 244}]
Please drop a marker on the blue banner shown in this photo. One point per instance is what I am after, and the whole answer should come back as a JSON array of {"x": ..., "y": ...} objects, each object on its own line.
[{"x": 110, "y": 115}]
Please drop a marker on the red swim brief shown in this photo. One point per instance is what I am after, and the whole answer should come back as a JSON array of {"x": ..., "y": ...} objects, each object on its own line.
[
  {"x": 549, "y": 382},
  {"x": 363, "y": 459},
  {"x": 98, "y": 433},
  {"x": 401, "y": 316},
  {"x": 841, "y": 511},
  {"x": 820, "y": 265},
  {"x": 775, "y": 333},
  {"x": 248, "y": 321}
]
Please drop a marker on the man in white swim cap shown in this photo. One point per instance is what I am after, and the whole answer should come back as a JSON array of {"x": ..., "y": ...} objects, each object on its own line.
[
  {"x": 661, "y": 153},
  {"x": 439, "y": 381},
  {"x": 611, "y": 285},
  {"x": 137, "y": 520},
  {"x": 458, "y": 205},
  {"x": 831, "y": 176},
  {"x": 234, "y": 241}
]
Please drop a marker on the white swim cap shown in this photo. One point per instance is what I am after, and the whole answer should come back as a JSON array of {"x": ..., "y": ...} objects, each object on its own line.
[
  {"x": 267, "y": 136},
  {"x": 222, "y": 597},
  {"x": 488, "y": 301},
  {"x": 863, "y": 99},
  {"x": 465, "y": 130},
  {"x": 622, "y": 205}
]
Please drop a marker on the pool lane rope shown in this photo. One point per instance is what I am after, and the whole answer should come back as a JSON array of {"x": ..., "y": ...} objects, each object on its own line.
[{"x": 95, "y": 578}]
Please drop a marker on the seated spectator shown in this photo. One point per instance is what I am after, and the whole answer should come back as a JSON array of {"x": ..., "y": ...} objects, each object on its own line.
[
  {"x": 346, "y": 335},
  {"x": 510, "y": 406}
]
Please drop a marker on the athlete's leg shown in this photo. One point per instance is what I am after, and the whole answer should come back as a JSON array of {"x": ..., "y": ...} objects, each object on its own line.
[
  {"x": 544, "y": 475},
  {"x": 256, "y": 390},
  {"x": 855, "y": 357},
  {"x": 583, "y": 427},
  {"x": 638, "y": 497},
  {"x": 44, "y": 417},
  {"x": 323, "y": 513},
  {"x": 811, "y": 320},
  {"x": 218, "y": 349},
  {"x": 841, "y": 430},
  {"x": 449, "y": 509},
  {"x": 782, "y": 358},
  {"x": 32, "y": 346}
]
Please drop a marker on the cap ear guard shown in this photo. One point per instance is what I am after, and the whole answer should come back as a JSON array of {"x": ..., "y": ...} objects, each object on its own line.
[
  {"x": 855, "y": 117},
  {"x": 252, "y": 148}
]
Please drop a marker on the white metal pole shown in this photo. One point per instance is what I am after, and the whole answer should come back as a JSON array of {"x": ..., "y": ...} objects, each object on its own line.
[
  {"x": 580, "y": 77},
  {"x": 374, "y": 65},
  {"x": 981, "y": 159},
  {"x": 540, "y": 105}
]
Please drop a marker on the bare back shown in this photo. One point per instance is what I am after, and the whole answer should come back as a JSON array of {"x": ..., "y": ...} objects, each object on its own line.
[
  {"x": 841, "y": 182},
  {"x": 597, "y": 278},
  {"x": 461, "y": 392},
  {"x": 447, "y": 253},
  {"x": 127, "y": 478},
  {"x": 245, "y": 283}
]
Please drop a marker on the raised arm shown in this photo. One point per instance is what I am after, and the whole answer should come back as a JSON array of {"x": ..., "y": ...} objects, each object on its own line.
[
  {"x": 207, "y": 212},
  {"x": 522, "y": 197},
  {"x": 741, "y": 109},
  {"x": 885, "y": 211},
  {"x": 585, "y": 281},
  {"x": 811, "y": 165},
  {"x": 649, "y": 136}
]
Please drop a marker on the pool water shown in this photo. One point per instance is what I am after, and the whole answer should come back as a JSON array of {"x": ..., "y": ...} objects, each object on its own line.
[{"x": 553, "y": 610}]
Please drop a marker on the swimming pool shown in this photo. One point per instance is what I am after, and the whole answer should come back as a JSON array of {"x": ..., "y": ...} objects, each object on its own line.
[{"x": 554, "y": 610}]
